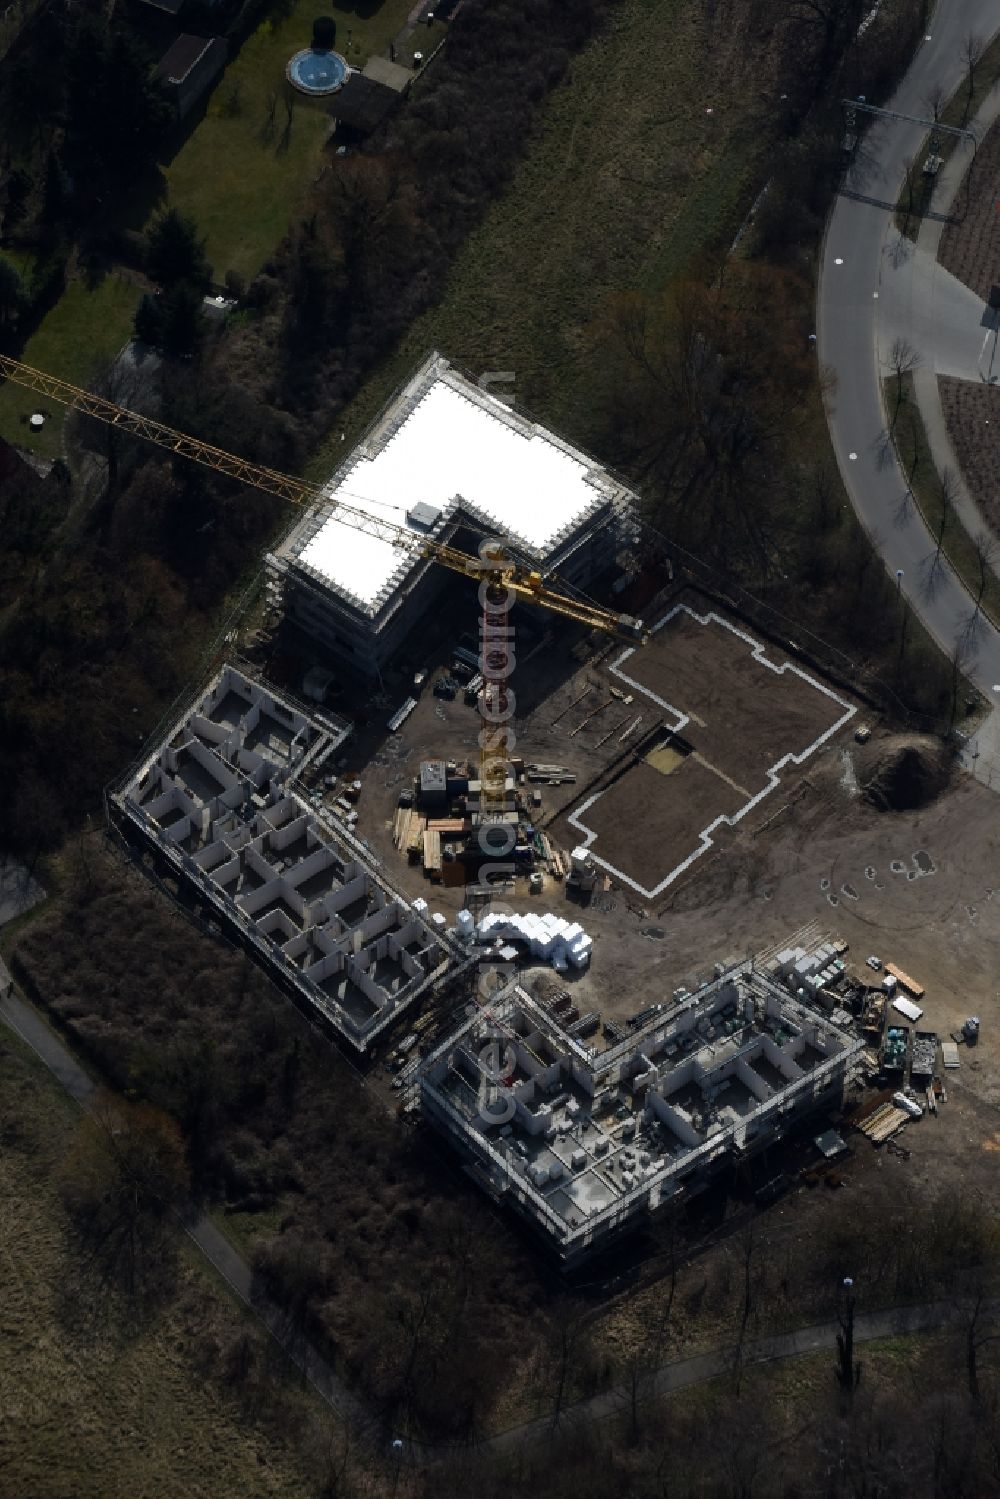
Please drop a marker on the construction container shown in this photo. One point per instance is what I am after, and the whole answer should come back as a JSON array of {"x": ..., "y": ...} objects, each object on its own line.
[{"x": 924, "y": 1053}]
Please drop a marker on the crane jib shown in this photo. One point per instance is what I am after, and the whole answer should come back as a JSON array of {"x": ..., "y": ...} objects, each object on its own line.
[{"x": 524, "y": 583}]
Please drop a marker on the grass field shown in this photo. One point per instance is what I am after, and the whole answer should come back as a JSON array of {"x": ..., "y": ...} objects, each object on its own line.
[
  {"x": 586, "y": 217},
  {"x": 85, "y": 329},
  {"x": 13, "y": 19},
  {"x": 243, "y": 181},
  {"x": 93, "y": 1407},
  {"x": 915, "y": 458}
]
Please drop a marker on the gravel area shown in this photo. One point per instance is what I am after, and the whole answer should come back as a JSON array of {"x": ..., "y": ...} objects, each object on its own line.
[
  {"x": 972, "y": 414},
  {"x": 970, "y": 247}
]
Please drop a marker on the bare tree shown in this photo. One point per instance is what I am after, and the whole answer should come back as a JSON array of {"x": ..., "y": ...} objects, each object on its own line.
[
  {"x": 934, "y": 565},
  {"x": 960, "y": 657},
  {"x": 270, "y": 110},
  {"x": 848, "y": 1370},
  {"x": 124, "y": 1183},
  {"x": 566, "y": 1343},
  {"x": 751, "y": 1264},
  {"x": 910, "y": 185},
  {"x": 972, "y": 51},
  {"x": 934, "y": 101},
  {"x": 986, "y": 556},
  {"x": 976, "y": 1338},
  {"x": 903, "y": 360}
]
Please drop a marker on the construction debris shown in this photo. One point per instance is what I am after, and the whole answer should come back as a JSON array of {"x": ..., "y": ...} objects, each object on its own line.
[
  {"x": 596, "y": 714},
  {"x": 610, "y": 733},
  {"x": 555, "y": 775},
  {"x": 924, "y": 1054}
]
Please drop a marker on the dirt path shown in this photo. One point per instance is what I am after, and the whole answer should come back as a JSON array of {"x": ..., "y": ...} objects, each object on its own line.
[
  {"x": 26, "y": 1022},
  {"x": 679, "y": 1374}
]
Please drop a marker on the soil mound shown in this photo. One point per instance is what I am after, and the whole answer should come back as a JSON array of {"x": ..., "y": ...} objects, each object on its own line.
[{"x": 903, "y": 772}]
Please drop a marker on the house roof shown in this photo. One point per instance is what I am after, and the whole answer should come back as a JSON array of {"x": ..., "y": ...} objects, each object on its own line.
[
  {"x": 183, "y": 55},
  {"x": 363, "y": 103},
  {"x": 392, "y": 74}
]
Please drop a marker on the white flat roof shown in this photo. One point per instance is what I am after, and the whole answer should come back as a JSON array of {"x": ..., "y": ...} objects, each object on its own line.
[{"x": 518, "y": 478}]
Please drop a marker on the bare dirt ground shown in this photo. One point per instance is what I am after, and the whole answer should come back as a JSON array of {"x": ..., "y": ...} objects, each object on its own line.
[
  {"x": 739, "y": 717},
  {"x": 972, "y": 414},
  {"x": 675, "y": 809},
  {"x": 970, "y": 246},
  {"x": 814, "y": 851}
]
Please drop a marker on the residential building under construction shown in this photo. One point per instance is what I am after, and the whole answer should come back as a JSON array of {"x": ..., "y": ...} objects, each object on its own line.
[
  {"x": 235, "y": 799},
  {"x": 588, "y": 1145},
  {"x": 443, "y": 457}
]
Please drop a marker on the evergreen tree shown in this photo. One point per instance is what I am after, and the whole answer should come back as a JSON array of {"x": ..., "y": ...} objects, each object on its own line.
[{"x": 176, "y": 253}]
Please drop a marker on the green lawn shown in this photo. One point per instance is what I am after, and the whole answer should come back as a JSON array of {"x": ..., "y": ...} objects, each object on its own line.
[
  {"x": 242, "y": 181},
  {"x": 85, "y": 329}
]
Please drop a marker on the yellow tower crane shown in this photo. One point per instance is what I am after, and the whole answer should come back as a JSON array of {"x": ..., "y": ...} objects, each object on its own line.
[
  {"x": 493, "y": 566},
  {"x": 496, "y": 567}
]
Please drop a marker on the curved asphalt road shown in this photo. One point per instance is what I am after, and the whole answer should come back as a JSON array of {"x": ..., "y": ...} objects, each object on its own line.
[{"x": 858, "y": 256}]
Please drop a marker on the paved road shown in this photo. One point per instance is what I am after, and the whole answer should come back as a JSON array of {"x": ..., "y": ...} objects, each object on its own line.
[{"x": 860, "y": 247}]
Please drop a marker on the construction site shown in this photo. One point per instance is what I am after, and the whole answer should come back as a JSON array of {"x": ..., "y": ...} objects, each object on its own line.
[
  {"x": 586, "y": 1145},
  {"x": 664, "y": 782},
  {"x": 630, "y": 766},
  {"x": 226, "y": 800}
]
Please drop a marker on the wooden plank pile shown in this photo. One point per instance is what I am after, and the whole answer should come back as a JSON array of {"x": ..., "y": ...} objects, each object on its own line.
[
  {"x": 408, "y": 831},
  {"x": 883, "y": 1122},
  {"x": 905, "y": 982},
  {"x": 432, "y": 853}
]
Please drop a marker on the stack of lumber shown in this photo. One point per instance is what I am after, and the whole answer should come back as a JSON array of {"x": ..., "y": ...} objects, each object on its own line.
[
  {"x": 432, "y": 853},
  {"x": 883, "y": 1122},
  {"x": 407, "y": 831},
  {"x": 903, "y": 979}
]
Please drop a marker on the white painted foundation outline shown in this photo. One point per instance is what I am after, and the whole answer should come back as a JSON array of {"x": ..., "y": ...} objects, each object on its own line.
[{"x": 758, "y": 652}]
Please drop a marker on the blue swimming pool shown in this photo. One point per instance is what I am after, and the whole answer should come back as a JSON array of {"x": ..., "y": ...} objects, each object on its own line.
[{"x": 316, "y": 72}]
